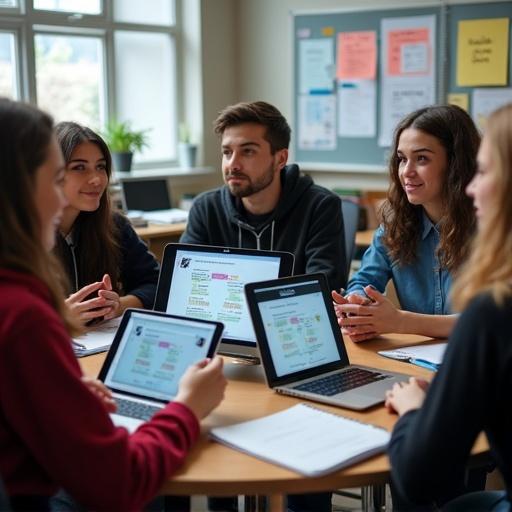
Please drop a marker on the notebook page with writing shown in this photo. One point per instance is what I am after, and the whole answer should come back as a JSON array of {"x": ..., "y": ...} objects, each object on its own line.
[{"x": 305, "y": 439}]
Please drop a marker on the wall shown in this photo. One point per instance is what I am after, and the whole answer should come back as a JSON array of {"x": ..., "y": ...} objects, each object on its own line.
[
  {"x": 209, "y": 80},
  {"x": 266, "y": 60}
]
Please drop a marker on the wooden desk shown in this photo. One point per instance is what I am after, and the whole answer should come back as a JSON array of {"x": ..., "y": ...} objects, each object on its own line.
[
  {"x": 216, "y": 470},
  {"x": 157, "y": 236},
  {"x": 364, "y": 238}
]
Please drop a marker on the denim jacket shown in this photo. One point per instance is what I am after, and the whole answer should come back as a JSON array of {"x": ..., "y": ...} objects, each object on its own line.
[{"x": 422, "y": 286}]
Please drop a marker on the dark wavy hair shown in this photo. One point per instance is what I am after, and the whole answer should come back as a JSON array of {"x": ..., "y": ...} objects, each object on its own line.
[
  {"x": 99, "y": 235},
  {"x": 457, "y": 133},
  {"x": 277, "y": 132},
  {"x": 25, "y": 137}
]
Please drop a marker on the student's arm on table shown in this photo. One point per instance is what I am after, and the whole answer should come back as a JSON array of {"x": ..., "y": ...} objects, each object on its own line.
[{"x": 380, "y": 316}]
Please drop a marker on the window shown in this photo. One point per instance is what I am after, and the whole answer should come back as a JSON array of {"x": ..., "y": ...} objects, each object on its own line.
[
  {"x": 8, "y": 72},
  {"x": 90, "y": 61}
]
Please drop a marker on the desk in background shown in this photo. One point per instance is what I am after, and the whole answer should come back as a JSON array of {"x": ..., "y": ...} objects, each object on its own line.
[
  {"x": 364, "y": 238},
  {"x": 157, "y": 236},
  {"x": 216, "y": 470}
]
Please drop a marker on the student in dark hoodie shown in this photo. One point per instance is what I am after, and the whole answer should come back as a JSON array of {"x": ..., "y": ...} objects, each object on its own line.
[{"x": 265, "y": 203}]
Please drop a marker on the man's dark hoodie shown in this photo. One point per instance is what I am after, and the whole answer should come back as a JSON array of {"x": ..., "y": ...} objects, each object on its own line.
[{"x": 307, "y": 222}]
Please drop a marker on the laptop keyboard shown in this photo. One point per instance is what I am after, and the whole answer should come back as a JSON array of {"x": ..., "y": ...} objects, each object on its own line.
[
  {"x": 136, "y": 410},
  {"x": 343, "y": 381}
]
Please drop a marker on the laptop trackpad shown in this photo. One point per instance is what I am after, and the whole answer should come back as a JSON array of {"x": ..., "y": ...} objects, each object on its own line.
[{"x": 128, "y": 423}]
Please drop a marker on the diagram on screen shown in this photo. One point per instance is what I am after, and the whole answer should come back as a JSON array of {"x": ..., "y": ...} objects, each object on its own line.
[{"x": 300, "y": 338}]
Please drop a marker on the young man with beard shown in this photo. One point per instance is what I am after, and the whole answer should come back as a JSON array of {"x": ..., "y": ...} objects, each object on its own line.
[{"x": 265, "y": 203}]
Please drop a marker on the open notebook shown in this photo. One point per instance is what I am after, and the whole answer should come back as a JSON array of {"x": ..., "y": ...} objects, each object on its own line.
[
  {"x": 97, "y": 339},
  {"x": 305, "y": 439}
]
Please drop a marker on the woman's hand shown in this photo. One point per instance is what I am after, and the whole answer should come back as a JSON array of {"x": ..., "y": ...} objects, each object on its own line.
[
  {"x": 202, "y": 387},
  {"x": 406, "y": 396},
  {"x": 363, "y": 321},
  {"x": 111, "y": 297},
  {"x": 106, "y": 304},
  {"x": 102, "y": 392},
  {"x": 366, "y": 332}
]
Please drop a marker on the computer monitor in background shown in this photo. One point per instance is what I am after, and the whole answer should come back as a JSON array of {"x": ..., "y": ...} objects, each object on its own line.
[
  {"x": 146, "y": 195},
  {"x": 204, "y": 282}
]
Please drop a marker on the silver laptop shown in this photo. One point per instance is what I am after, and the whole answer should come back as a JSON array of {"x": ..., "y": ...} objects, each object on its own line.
[
  {"x": 199, "y": 281},
  {"x": 302, "y": 348},
  {"x": 149, "y": 354}
]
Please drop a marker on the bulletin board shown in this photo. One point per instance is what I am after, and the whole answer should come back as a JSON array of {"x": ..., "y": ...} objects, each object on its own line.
[
  {"x": 463, "y": 12},
  {"x": 365, "y": 153}
]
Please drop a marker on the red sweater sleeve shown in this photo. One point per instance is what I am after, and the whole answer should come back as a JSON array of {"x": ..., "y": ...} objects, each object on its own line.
[{"x": 64, "y": 436}]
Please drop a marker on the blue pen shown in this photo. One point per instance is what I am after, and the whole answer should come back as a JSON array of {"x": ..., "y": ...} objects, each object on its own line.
[{"x": 425, "y": 364}]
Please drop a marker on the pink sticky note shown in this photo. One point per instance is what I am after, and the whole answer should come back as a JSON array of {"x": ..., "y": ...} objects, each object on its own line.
[
  {"x": 357, "y": 55},
  {"x": 412, "y": 42}
]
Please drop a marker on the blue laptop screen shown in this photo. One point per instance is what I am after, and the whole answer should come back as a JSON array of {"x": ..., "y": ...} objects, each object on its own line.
[
  {"x": 154, "y": 353},
  {"x": 297, "y": 327}
]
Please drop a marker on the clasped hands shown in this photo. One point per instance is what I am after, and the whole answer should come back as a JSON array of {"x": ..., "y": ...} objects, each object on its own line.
[
  {"x": 362, "y": 318},
  {"x": 106, "y": 305}
]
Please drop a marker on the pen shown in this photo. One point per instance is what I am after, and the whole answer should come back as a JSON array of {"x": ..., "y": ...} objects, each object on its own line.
[{"x": 425, "y": 364}]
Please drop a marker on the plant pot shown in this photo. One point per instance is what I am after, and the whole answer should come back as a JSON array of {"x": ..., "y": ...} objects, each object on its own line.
[
  {"x": 187, "y": 154},
  {"x": 122, "y": 161}
]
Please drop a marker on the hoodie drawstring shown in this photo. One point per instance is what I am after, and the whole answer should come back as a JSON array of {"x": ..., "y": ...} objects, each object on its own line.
[{"x": 258, "y": 235}]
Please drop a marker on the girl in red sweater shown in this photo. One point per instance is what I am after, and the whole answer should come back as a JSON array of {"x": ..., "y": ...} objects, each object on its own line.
[{"x": 55, "y": 431}]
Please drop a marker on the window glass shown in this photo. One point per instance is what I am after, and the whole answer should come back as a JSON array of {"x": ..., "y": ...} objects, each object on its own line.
[
  {"x": 145, "y": 89},
  {"x": 79, "y": 6},
  {"x": 8, "y": 3},
  {"x": 8, "y": 75},
  {"x": 69, "y": 78},
  {"x": 151, "y": 12}
]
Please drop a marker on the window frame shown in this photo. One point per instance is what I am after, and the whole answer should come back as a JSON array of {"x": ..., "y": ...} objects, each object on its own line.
[{"x": 25, "y": 23}]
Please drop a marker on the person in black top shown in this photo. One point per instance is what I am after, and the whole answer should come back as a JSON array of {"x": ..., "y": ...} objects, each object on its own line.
[
  {"x": 108, "y": 266},
  {"x": 266, "y": 204},
  {"x": 438, "y": 426}
]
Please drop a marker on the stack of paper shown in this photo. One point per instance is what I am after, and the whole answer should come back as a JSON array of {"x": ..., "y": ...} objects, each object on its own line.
[
  {"x": 171, "y": 216},
  {"x": 98, "y": 339},
  {"x": 426, "y": 356},
  {"x": 305, "y": 439}
]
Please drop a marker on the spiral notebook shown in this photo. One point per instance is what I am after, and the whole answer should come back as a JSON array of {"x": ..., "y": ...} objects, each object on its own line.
[{"x": 305, "y": 439}]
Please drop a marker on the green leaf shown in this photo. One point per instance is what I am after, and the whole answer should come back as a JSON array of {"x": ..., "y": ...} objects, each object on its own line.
[{"x": 121, "y": 138}]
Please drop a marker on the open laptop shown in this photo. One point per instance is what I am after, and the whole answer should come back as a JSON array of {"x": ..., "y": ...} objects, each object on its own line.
[
  {"x": 207, "y": 282},
  {"x": 302, "y": 348},
  {"x": 149, "y": 198},
  {"x": 147, "y": 358}
]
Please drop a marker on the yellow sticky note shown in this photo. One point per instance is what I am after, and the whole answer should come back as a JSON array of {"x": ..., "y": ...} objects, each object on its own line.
[
  {"x": 327, "y": 31},
  {"x": 482, "y": 52},
  {"x": 461, "y": 100}
]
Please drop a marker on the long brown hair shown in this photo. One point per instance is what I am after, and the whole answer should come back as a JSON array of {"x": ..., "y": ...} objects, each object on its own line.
[
  {"x": 98, "y": 231},
  {"x": 457, "y": 133},
  {"x": 489, "y": 268},
  {"x": 25, "y": 137}
]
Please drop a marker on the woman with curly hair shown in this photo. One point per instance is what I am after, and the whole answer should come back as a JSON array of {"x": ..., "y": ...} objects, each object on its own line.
[
  {"x": 432, "y": 440},
  {"x": 427, "y": 225}
]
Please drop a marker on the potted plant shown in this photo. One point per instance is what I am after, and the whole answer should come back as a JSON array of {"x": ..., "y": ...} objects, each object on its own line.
[
  {"x": 187, "y": 151},
  {"x": 123, "y": 142}
]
